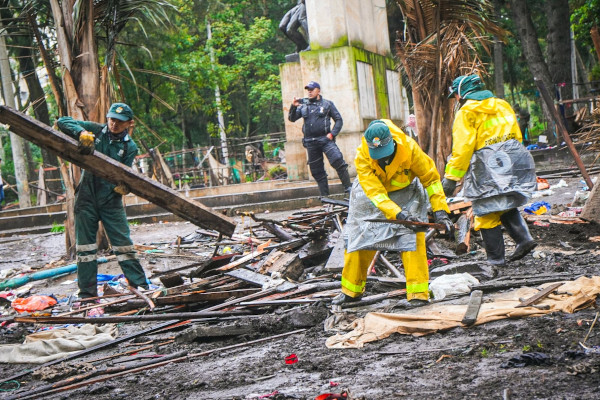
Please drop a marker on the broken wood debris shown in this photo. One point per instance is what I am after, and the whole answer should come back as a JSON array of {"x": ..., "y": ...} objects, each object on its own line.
[
  {"x": 540, "y": 295},
  {"x": 272, "y": 264},
  {"x": 473, "y": 308}
]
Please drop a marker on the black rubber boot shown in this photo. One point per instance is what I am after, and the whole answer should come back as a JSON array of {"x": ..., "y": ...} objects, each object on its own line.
[
  {"x": 517, "y": 229},
  {"x": 345, "y": 178},
  {"x": 343, "y": 298},
  {"x": 323, "y": 187},
  {"x": 493, "y": 241}
]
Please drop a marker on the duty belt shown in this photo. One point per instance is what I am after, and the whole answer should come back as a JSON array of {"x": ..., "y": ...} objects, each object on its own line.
[{"x": 314, "y": 138}]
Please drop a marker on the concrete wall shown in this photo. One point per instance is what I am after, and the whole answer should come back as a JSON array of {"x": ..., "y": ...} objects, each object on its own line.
[{"x": 356, "y": 23}]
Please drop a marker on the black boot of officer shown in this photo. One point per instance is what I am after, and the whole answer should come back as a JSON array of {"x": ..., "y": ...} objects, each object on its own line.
[
  {"x": 345, "y": 178},
  {"x": 517, "y": 229},
  {"x": 323, "y": 187}
]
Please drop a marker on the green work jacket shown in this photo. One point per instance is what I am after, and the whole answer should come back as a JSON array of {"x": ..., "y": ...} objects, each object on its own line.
[{"x": 91, "y": 187}]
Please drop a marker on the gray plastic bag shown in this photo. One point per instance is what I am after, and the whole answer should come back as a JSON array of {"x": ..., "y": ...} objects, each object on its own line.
[
  {"x": 501, "y": 177},
  {"x": 362, "y": 235}
]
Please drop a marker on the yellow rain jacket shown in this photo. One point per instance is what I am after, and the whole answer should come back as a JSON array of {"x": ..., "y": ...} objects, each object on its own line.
[
  {"x": 479, "y": 123},
  {"x": 409, "y": 162}
]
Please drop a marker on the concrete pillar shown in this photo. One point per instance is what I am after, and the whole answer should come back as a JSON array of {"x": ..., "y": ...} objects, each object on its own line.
[{"x": 350, "y": 58}]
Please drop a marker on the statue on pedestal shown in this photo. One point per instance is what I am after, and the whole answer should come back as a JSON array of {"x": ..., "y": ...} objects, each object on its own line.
[{"x": 292, "y": 22}]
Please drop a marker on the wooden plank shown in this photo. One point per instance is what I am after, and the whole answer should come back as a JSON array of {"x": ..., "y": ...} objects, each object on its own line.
[
  {"x": 115, "y": 172},
  {"x": 335, "y": 262},
  {"x": 463, "y": 236},
  {"x": 259, "y": 250},
  {"x": 204, "y": 296},
  {"x": 458, "y": 205},
  {"x": 501, "y": 284},
  {"x": 473, "y": 308},
  {"x": 260, "y": 279},
  {"x": 540, "y": 295}
]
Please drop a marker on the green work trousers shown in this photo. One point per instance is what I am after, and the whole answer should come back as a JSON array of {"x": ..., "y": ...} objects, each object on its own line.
[{"x": 87, "y": 216}]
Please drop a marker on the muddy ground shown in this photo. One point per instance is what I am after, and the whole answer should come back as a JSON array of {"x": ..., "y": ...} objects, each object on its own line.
[{"x": 456, "y": 364}]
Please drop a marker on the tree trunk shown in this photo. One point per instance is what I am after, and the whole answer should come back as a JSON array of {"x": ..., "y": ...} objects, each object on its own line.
[
  {"x": 531, "y": 47},
  {"x": 498, "y": 57},
  {"x": 559, "y": 47},
  {"x": 37, "y": 97},
  {"x": 595, "y": 34},
  {"x": 17, "y": 143},
  {"x": 85, "y": 70}
]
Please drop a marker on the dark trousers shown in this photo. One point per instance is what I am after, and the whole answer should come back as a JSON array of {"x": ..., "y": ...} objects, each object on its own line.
[{"x": 315, "y": 149}]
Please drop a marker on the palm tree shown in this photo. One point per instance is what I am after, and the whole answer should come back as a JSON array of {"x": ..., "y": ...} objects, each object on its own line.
[
  {"x": 86, "y": 83},
  {"x": 441, "y": 41}
]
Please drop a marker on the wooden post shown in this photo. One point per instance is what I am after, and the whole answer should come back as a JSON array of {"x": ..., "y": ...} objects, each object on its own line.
[
  {"x": 70, "y": 203},
  {"x": 42, "y": 197}
]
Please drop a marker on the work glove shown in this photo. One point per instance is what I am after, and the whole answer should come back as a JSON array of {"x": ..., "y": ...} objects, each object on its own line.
[
  {"x": 122, "y": 189},
  {"x": 441, "y": 217},
  {"x": 449, "y": 186},
  {"x": 86, "y": 142},
  {"x": 402, "y": 216}
]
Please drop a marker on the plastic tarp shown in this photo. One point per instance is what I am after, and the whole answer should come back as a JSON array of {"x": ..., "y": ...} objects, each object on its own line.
[
  {"x": 578, "y": 294},
  {"x": 45, "y": 346},
  {"x": 362, "y": 235},
  {"x": 501, "y": 177}
]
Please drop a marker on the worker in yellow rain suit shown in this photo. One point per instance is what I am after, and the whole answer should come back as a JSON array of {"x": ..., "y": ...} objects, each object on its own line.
[
  {"x": 387, "y": 163},
  {"x": 498, "y": 172}
]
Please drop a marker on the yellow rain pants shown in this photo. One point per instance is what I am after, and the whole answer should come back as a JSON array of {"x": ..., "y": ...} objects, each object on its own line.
[{"x": 416, "y": 270}]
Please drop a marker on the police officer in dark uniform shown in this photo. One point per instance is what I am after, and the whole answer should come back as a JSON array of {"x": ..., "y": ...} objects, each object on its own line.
[{"x": 319, "y": 137}]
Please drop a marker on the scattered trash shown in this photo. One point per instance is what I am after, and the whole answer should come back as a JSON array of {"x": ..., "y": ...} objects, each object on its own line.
[
  {"x": 332, "y": 396},
  {"x": 33, "y": 303},
  {"x": 542, "y": 184},
  {"x": 527, "y": 359},
  {"x": 253, "y": 396},
  {"x": 542, "y": 223},
  {"x": 291, "y": 359},
  {"x": 570, "y": 212},
  {"x": 538, "y": 208},
  {"x": 590, "y": 350},
  {"x": 547, "y": 192},
  {"x": 539, "y": 254},
  {"x": 580, "y": 198},
  {"x": 455, "y": 284},
  {"x": 560, "y": 184}
]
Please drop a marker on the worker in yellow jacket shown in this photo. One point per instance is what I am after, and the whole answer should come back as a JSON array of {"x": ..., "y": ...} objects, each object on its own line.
[
  {"x": 499, "y": 173},
  {"x": 387, "y": 163}
]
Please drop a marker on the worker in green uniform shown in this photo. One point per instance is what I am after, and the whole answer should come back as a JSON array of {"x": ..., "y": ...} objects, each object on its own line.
[{"x": 99, "y": 200}]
